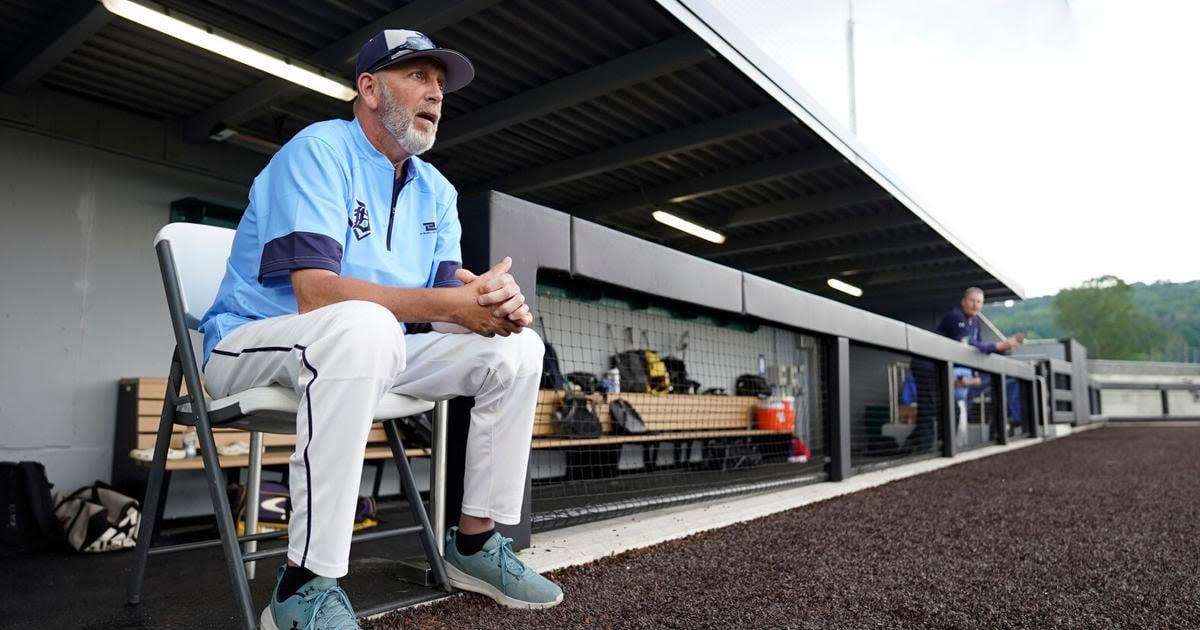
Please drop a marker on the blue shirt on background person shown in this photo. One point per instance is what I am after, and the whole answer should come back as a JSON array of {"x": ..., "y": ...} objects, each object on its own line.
[
  {"x": 957, "y": 326},
  {"x": 962, "y": 376}
]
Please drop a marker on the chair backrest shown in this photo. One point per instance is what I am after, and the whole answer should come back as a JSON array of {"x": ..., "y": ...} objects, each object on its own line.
[{"x": 199, "y": 254}]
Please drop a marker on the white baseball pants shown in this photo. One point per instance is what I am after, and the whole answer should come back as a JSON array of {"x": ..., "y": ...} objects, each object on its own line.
[{"x": 341, "y": 359}]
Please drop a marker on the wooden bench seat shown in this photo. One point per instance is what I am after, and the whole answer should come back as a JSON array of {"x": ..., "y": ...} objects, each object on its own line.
[
  {"x": 668, "y": 418},
  {"x": 674, "y": 417}
]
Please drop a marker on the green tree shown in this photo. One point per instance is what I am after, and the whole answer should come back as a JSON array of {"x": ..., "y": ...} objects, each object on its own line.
[{"x": 1102, "y": 315}]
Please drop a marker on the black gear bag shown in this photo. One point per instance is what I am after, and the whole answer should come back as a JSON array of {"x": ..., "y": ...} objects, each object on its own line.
[
  {"x": 631, "y": 364},
  {"x": 552, "y": 377},
  {"x": 576, "y": 417},
  {"x": 27, "y": 521}
]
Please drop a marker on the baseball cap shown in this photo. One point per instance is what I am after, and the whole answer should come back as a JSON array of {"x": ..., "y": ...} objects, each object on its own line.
[{"x": 395, "y": 45}]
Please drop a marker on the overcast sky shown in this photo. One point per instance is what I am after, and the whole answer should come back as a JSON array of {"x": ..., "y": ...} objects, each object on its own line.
[{"x": 1057, "y": 139}]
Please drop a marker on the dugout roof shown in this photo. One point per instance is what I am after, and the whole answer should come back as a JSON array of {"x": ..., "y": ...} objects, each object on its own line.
[{"x": 605, "y": 110}]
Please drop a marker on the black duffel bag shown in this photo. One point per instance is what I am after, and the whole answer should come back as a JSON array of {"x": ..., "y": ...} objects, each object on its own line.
[{"x": 577, "y": 417}]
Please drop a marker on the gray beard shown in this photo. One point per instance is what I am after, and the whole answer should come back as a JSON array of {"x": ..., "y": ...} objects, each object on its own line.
[{"x": 399, "y": 124}]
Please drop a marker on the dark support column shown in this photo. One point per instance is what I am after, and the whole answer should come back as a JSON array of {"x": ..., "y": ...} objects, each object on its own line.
[
  {"x": 949, "y": 419},
  {"x": 1032, "y": 410},
  {"x": 1166, "y": 406},
  {"x": 839, "y": 406},
  {"x": 1002, "y": 415}
]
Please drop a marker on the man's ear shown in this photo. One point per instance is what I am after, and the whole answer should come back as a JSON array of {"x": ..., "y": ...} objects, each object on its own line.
[{"x": 368, "y": 90}]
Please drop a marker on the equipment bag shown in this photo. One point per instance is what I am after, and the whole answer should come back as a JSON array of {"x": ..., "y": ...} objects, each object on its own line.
[
  {"x": 585, "y": 382},
  {"x": 27, "y": 520},
  {"x": 576, "y": 417},
  {"x": 752, "y": 385},
  {"x": 366, "y": 514},
  {"x": 552, "y": 377},
  {"x": 630, "y": 363},
  {"x": 677, "y": 370},
  {"x": 97, "y": 518},
  {"x": 658, "y": 381},
  {"x": 274, "y": 507},
  {"x": 625, "y": 419}
]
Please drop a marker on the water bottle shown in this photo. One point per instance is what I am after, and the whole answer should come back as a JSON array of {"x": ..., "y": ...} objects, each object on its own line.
[
  {"x": 191, "y": 443},
  {"x": 614, "y": 380}
]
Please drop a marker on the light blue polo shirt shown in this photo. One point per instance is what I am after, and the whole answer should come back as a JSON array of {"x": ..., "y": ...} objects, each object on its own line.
[{"x": 330, "y": 200}]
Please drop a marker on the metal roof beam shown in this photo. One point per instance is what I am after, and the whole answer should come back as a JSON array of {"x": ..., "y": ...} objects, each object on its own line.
[
  {"x": 844, "y": 227},
  {"x": 678, "y": 192},
  {"x": 795, "y": 207},
  {"x": 937, "y": 286},
  {"x": 869, "y": 263},
  {"x": 920, "y": 273},
  {"x": 429, "y": 15},
  {"x": 835, "y": 252},
  {"x": 677, "y": 53},
  {"x": 806, "y": 205},
  {"x": 653, "y": 147},
  {"x": 74, "y": 24}
]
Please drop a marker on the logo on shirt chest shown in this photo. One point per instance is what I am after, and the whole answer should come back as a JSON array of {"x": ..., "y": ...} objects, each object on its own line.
[
  {"x": 360, "y": 220},
  {"x": 428, "y": 227}
]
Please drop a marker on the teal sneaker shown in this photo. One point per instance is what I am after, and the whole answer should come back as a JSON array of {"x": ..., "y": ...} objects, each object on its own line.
[
  {"x": 318, "y": 605},
  {"x": 498, "y": 573}
]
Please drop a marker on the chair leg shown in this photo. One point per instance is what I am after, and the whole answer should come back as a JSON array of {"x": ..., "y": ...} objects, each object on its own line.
[
  {"x": 153, "y": 499},
  {"x": 415, "y": 503},
  {"x": 253, "y": 496},
  {"x": 378, "y": 464},
  {"x": 225, "y": 525}
]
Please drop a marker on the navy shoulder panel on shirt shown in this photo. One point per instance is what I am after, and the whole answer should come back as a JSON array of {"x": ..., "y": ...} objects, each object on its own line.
[{"x": 952, "y": 324}]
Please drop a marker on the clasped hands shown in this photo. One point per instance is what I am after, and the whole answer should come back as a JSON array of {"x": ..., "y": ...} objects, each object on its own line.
[{"x": 492, "y": 302}]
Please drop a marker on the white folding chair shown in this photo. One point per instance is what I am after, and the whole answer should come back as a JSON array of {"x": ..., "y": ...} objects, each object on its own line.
[{"x": 192, "y": 260}]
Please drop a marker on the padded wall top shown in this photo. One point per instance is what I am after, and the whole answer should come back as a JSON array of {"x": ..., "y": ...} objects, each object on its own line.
[{"x": 610, "y": 256}]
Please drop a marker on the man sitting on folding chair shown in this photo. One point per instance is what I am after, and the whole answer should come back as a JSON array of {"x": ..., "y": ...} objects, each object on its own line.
[{"x": 347, "y": 233}]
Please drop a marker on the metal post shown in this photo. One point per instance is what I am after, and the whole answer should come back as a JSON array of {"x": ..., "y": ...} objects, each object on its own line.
[
  {"x": 949, "y": 421},
  {"x": 1029, "y": 400},
  {"x": 253, "y": 496},
  {"x": 1002, "y": 415},
  {"x": 437, "y": 490},
  {"x": 1044, "y": 409},
  {"x": 1166, "y": 406},
  {"x": 839, "y": 404}
]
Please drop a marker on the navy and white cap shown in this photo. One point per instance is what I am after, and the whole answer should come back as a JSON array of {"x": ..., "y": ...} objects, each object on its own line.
[{"x": 394, "y": 45}]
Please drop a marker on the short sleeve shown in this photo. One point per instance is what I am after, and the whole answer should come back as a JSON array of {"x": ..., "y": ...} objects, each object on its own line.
[
  {"x": 301, "y": 198},
  {"x": 447, "y": 254}
]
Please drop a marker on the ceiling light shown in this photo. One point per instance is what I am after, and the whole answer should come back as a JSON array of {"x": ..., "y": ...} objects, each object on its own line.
[
  {"x": 684, "y": 225},
  {"x": 207, "y": 38},
  {"x": 844, "y": 287},
  {"x": 221, "y": 133}
]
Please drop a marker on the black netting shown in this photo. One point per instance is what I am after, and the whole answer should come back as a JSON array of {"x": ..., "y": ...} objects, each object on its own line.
[{"x": 727, "y": 403}]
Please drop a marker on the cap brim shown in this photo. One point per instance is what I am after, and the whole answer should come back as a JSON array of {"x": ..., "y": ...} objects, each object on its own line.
[{"x": 459, "y": 70}]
